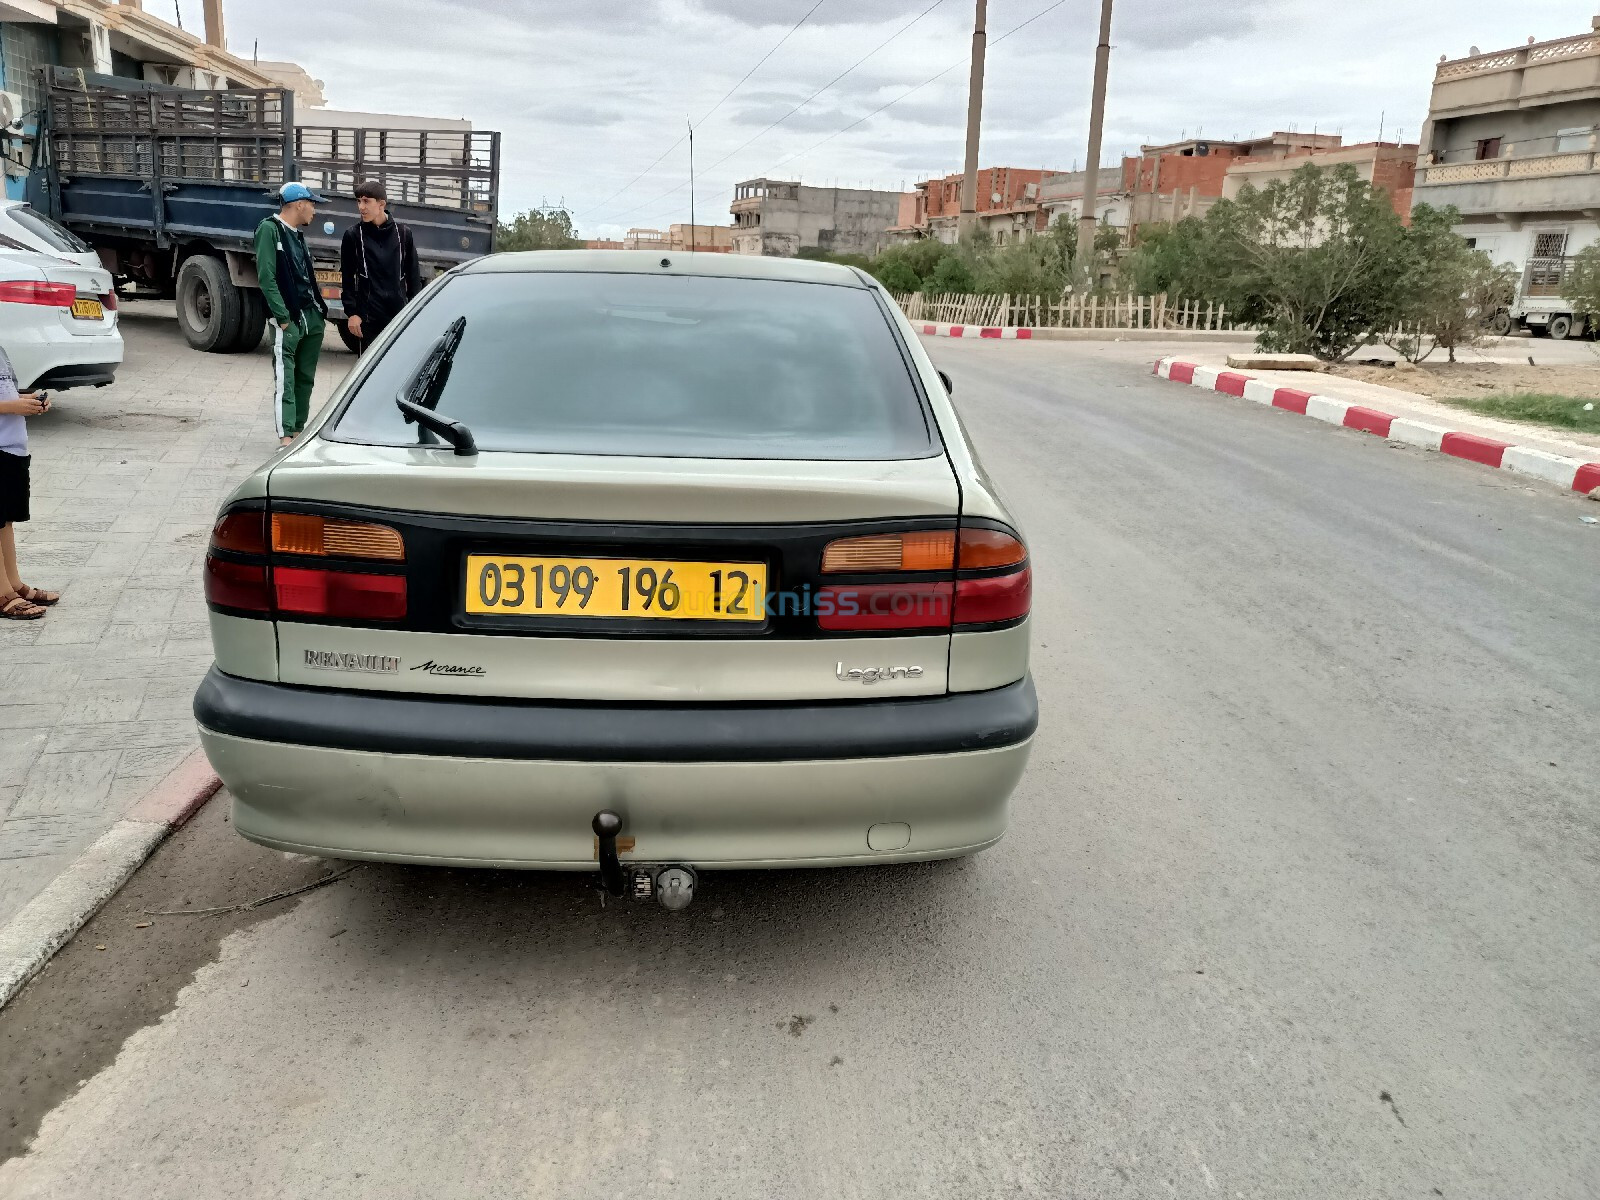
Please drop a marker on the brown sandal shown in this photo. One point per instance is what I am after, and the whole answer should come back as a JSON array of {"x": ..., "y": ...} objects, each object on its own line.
[
  {"x": 18, "y": 609},
  {"x": 39, "y": 596}
]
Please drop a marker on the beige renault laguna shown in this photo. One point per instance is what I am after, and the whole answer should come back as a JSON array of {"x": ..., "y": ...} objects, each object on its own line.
[{"x": 630, "y": 564}]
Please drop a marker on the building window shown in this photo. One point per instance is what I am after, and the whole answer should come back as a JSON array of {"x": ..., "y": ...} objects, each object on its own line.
[
  {"x": 1472, "y": 243},
  {"x": 1488, "y": 148},
  {"x": 1550, "y": 245},
  {"x": 22, "y": 52},
  {"x": 1570, "y": 141}
]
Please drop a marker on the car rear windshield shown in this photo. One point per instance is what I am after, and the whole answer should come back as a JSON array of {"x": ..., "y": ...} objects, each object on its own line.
[
  {"x": 668, "y": 365},
  {"x": 47, "y": 231}
]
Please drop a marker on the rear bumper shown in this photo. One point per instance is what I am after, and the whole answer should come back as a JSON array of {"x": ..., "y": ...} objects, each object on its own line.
[
  {"x": 48, "y": 356},
  {"x": 453, "y": 782},
  {"x": 82, "y": 375}
]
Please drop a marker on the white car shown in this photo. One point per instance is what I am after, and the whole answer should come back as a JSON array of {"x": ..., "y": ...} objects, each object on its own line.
[
  {"x": 25, "y": 225},
  {"x": 58, "y": 319}
]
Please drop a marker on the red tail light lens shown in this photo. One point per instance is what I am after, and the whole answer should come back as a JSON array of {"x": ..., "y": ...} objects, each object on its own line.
[
  {"x": 110, "y": 301},
  {"x": 244, "y": 531},
  {"x": 339, "y": 594},
  {"x": 885, "y": 606},
  {"x": 27, "y": 291},
  {"x": 237, "y": 585},
  {"x": 994, "y": 600}
]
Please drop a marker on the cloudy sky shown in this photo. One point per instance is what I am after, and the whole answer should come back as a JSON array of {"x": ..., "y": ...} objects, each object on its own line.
[{"x": 590, "y": 93}]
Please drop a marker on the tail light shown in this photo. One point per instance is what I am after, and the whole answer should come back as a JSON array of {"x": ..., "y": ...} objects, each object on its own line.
[
  {"x": 109, "y": 301},
  {"x": 993, "y": 584},
  {"x": 927, "y": 550},
  {"x": 995, "y": 599},
  {"x": 27, "y": 291},
  {"x": 306, "y": 533},
  {"x": 344, "y": 595},
  {"x": 885, "y": 606},
  {"x": 241, "y": 577},
  {"x": 237, "y": 585}
]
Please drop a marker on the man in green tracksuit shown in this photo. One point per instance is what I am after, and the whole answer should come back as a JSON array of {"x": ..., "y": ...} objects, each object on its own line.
[{"x": 299, "y": 315}]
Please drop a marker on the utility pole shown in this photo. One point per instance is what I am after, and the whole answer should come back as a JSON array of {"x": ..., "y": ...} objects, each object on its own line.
[
  {"x": 1087, "y": 224},
  {"x": 969, "y": 181}
]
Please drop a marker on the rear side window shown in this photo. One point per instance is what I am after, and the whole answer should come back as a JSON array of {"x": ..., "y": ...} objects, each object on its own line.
[
  {"x": 47, "y": 231},
  {"x": 675, "y": 366}
]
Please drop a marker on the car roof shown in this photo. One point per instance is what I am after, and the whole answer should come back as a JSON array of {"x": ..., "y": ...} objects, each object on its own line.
[{"x": 668, "y": 262}]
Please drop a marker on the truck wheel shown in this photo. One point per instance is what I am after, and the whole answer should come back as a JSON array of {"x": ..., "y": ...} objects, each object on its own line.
[
  {"x": 208, "y": 305},
  {"x": 351, "y": 342},
  {"x": 252, "y": 322},
  {"x": 1500, "y": 323},
  {"x": 1560, "y": 327}
]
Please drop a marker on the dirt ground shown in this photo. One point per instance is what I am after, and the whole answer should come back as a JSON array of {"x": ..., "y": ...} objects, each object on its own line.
[{"x": 1468, "y": 380}]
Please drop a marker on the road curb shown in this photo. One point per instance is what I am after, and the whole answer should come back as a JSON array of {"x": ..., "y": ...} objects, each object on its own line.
[
  {"x": 1006, "y": 332},
  {"x": 1046, "y": 333},
  {"x": 1570, "y": 473},
  {"x": 49, "y": 920}
]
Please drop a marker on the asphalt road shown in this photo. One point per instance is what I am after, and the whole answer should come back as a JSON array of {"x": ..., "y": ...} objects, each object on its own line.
[{"x": 1299, "y": 899}]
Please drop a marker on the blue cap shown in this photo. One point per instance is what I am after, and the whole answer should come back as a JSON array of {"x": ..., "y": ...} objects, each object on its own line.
[{"x": 290, "y": 192}]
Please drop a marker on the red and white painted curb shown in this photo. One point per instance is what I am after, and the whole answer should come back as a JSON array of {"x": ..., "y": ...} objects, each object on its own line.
[
  {"x": 1005, "y": 332},
  {"x": 49, "y": 920},
  {"x": 1571, "y": 473}
]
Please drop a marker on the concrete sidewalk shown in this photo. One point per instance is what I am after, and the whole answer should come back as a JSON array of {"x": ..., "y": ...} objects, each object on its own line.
[
  {"x": 94, "y": 698},
  {"x": 1409, "y": 406}
]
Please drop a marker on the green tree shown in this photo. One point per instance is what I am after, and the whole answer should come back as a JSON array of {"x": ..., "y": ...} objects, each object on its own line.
[
  {"x": 1581, "y": 288},
  {"x": 1447, "y": 290},
  {"x": 896, "y": 274},
  {"x": 537, "y": 230},
  {"x": 951, "y": 275},
  {"x": 1318, "y": 258}
]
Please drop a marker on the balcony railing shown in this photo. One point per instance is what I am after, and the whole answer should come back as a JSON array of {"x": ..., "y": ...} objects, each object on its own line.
[
  {"x": 1522, "y": 56},
  {"x": 1530, "y": 167}
]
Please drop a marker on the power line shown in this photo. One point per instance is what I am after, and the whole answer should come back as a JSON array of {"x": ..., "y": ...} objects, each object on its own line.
[
  {"x": 745, "y": 79},
  {"x": 905, "y": 95},
  {"x": 846, "y": 129},
  {"x": 764, "y": 58},
  {"x": 829, "y": 84}
]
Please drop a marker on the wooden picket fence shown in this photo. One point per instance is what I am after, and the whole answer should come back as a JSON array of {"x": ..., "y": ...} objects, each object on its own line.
[{"x": 1068, "y": 311}]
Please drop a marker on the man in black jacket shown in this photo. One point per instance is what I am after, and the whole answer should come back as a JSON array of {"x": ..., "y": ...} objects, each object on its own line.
[{"x": 379, "y": 265}]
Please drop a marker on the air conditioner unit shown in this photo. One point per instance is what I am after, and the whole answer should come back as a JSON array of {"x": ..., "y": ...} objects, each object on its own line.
[{"x": 10, "y": 112}]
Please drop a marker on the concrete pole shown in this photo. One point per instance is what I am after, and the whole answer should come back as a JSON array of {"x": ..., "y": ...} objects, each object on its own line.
[
  {"x": 1091, "y": 174},
  {"x": 969, "y": 181},
  {"x": 214, "y": 33}
]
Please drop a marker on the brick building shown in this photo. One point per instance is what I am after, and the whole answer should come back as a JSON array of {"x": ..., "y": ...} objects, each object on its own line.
[
  {"x": 1389, "y": 166},
  {"x": 1007, "y": 203}
]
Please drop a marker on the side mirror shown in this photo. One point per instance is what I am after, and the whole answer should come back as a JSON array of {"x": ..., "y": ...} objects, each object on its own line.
[{"x": 949, "y": 387}]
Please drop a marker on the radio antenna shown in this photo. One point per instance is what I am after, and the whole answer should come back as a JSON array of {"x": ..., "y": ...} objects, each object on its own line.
[{"x": 691, "y": 189}]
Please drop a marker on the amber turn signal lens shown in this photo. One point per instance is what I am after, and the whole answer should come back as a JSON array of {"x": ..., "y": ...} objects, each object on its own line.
[
  {"x": 244, "y": 531},
  {"x": 304, "y": 533},
  {"x": 990, "y": 548},
  {"x": 928, "y": 550}
]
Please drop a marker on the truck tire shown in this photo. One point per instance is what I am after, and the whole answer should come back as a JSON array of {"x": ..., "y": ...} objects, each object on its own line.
[
  {"x": 1500, "y": 323},
  {"x": 252, "y": 322},
  {"x": 1560, "y": 326},
  {"x": 351, "y": 342},
  {"x": 208, "y": 305}
]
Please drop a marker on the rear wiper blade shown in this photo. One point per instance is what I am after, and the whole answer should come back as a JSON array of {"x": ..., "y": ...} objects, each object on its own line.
[{"x": 420, "y": 396}]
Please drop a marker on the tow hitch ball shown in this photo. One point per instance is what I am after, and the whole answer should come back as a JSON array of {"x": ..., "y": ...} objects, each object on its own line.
[{"x": 672, "y": 886}]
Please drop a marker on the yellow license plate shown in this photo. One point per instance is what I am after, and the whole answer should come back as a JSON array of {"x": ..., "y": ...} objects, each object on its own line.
[
  {"x": 88, "y": 310},
  {"x": 329, "y": 277},
  {"x": 615, "y": 588}
]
